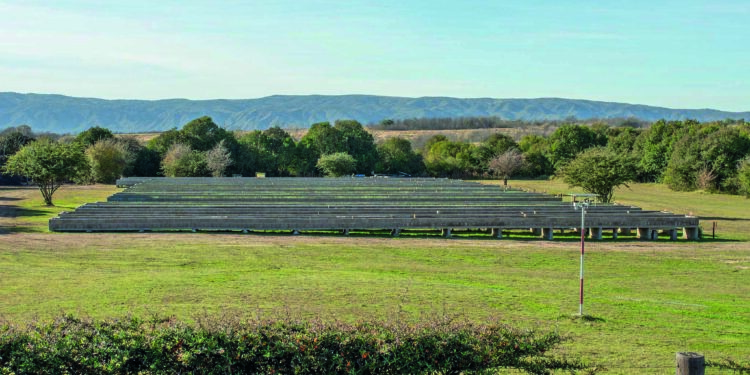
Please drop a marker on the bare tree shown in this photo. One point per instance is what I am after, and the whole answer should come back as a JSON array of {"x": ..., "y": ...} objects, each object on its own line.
[
  {"x": 507, "y": 163},
  {"x": 218, "y": 159}
]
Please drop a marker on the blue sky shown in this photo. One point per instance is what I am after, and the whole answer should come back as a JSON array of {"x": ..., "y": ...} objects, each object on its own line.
[{"x": 679, "y": 54}]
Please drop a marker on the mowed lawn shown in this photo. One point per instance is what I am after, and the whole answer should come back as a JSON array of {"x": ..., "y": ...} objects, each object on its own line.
[{"x": 648, "y": 299}]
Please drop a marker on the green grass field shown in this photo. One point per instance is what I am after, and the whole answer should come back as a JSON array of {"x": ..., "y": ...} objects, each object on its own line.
[{"x": 648, "y": 299}]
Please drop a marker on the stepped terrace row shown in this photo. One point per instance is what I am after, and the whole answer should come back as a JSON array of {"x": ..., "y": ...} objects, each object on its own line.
[{"x": 355, "y": 204}]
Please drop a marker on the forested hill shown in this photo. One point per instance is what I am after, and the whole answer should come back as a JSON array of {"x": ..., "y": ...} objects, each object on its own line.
[{"x": 64, "y": 114}]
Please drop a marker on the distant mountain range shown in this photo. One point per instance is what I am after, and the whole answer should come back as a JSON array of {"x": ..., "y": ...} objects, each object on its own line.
[{"x": 65, "y": 114}]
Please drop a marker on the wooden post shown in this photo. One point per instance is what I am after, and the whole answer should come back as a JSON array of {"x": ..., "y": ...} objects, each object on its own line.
[{"x": 689, "y": 363}]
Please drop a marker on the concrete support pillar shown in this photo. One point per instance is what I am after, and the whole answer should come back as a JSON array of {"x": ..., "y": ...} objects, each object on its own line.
[
  {"x": 655, "y": 234},
  {"x": 395, "y": 232},
  {"x": 497, "y": 233},
  {"x": 644, "y": 233},
  {"x": 536, "y": 231},
  {"x": 547, "y": 234},
  {"x": 595, "y": 233},
  {"x": 195, "y": 230},
  {"x": 625, "y": 231},
  {"x": 345, "y": 232},
  {"x": 295, "y": 232},
  {"x": 245, "y": 231},
  {"x": 614, "y": 234},
  {"x": 446, "y": 232},
  {"x": 690, "y": 233},
  {"x": 673, "y": 234}
]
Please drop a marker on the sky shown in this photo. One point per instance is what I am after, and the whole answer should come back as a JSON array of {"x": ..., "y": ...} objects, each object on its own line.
[{"x": 677, "y": 54}]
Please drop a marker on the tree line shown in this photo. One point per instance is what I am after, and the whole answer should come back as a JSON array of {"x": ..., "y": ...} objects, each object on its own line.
[
  {"x": 684, "y": 155},
  {"x": 492, "y": 122}
]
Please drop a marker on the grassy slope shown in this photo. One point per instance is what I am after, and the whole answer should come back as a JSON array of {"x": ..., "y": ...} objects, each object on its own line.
[{"x": 653, "y": 299}]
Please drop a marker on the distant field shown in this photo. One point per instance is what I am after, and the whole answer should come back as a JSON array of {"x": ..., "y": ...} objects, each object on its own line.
[{"x": 650, "y": 299}]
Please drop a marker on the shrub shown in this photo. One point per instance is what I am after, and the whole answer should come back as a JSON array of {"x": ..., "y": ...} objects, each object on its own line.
[
  {"x": 337, "y": 164},
  {"x": 108, "y": 159},
  {"x": 72, "y": 345}
]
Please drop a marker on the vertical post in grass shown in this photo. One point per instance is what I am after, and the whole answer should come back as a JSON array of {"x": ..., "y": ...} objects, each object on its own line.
[
  {"x": 583, "y": 206},
  {"x": 583, "y": 245},
  {"x": 689, "y": 363}
]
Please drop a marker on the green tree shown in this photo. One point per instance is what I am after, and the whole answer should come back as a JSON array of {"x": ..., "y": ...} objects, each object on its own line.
[
  {"x": 337, "y": 164},
  {"x": 396, "y": 155},
  {"x": 599, "y": 171},
  {"x": 622, "y": 140},
  {"x": 569, "y": 140},
  {"x": 144, "y": 162},
  {"x": 535, "y": 164},
  {"x": 683, "y": 165},
  {"x": 535, "y": 149},
  {"x": 108, "y": 158},
  {"x": 347, "y": 136},
  {"x": 202, "y": 134},
  {"x": 706, "y": 157},
  {"x": 218, "y": 159},
  {"x": 165, "y": 140},
  {"x": 12, "y": 140},
  {"x": 281, "y": 148},
  {"x": 654, "y": 147},
  {"x": 92, "y": 135},
  {"x": 722, "y": 150},
  {"x": 182, "y": 161},
  {"x": 451, "y": 159},
  {"x": 494, "y": 145},
  {"x": 320, "y": 139},
  {"x": 743, "y": 175},
  {"x": 432, "y": 141},
  {"x": 533, "y": 142},
  {"x": 48, "y": 164},
  {"x": 275, "y": 149},
  {"x": 356, "y": 141}
]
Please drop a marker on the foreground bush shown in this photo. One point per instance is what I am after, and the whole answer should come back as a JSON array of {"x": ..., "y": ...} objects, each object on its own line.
[{"x": 78, "y": 346}]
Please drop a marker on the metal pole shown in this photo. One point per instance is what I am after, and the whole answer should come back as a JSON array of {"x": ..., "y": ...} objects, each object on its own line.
[{"x": 583, "y": 236}]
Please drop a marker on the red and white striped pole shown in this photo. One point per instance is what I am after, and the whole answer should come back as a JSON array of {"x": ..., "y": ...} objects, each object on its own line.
[{"x": 583, "y": 237}]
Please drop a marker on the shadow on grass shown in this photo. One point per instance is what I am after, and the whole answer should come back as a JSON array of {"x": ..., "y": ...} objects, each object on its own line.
[
  {"x": 422, "y": 234},
  {"x": 584, "y": 318},
  {"x": 27, "y": 212},
  {"x": 27, "y": 229},
  {"x": 7, "y": 211},
  {"x": 724, "y": 218},
  {"x": 15, "y": 211}
]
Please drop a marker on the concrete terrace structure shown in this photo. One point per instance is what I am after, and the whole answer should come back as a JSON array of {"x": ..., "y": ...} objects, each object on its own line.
[{"x": 347, "y": 204}]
